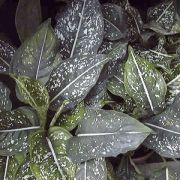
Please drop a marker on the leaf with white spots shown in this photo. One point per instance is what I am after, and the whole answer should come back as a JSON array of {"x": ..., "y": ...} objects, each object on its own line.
[
  {"x": 115, "y": 22},
  {"x": 33, "y": 92},
  {"x": 162, "y": 18},
  {"x": 69, "y": 120},
  {"x": 104, "y": 133},
  {"x": 165, "y": 174},
  {"x": 92, "y": 170},
  {"x": 15, "y": 127},
  {"x": 166, "y": 140},
  {"x": 73, "y": 79},
  {"x": 48, "y": 155},
  {"x": 3, "y": 168},
  {"x": 174, "y": 84},
  {"x": 144, "y": 83},
  {"x": 36, "y": 56},
  {"x": 5, "y": 103},
  {"x": 6, "y": 54},
  {"x": 80, "y": 28}
]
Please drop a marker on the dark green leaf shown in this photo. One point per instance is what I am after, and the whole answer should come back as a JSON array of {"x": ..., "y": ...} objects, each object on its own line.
[
  {"x": 6, "y": 53},
  {"x": 3, "y": 169},
  {"x": 115, "y": 22},
  {"x": 36, "y": 56},
  {"x": 144, "y": 83},
  {"x": 93, "y": 170},
  {"x": 73, "y": 79},
  {"x": 80, "y": 28},
  {"x": 166, "y": 125},
  {"x": 28, "y": 17},
  {"x": 15, "y": 127},
  {"x": 34, "y": 93},
  {"x": 105, "y": 133},
  {"x": 5, "y": 103},
  {"x": 70, "y": 120},
  {"x": 48, "y": 155}
]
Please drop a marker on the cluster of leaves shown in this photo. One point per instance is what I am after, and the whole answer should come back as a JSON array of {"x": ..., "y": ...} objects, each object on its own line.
[{"x": 101, "y": 83}]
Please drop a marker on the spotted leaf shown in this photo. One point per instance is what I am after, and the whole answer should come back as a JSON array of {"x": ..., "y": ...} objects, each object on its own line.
[
  {"x": 73, "y": 79},
  {"x": 115, "y": 22},
  {"x": 6, "y": 54},
  {"x": 80, "y": 28},
  {"x": 144, "y": 83},
  {"x": 5, "y": 103},
  {"x": 104, "y": 134},
  {"x": 93, "y": 169},
  {"x": 36, "y": 56},
  {"x": 34, "y": 93},
  {"x": 166, "y": 125},
  {"x": 48, "y": 155},
  {"x": 15, "y": 127}
]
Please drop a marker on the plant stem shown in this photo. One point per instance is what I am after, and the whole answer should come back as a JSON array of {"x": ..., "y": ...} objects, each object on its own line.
[{"x": 58, "y": 112}]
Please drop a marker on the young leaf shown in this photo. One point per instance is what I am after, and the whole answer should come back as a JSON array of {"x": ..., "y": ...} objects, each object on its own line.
[
  {"x": 166, "y": 125},
  {"x": 144, "y": 83},
  {"x": 48, "y": 155},
  {"x": 80, "y": 28},
  {"x": 28, "y": 18},
  {"x": 36, "y": 56},
  {"x": 115, "y": 22},
  {"x": 93, "y": 169},
  {"x": 15, "y": 127},
  {"x": 69, "y": 120},
  {"x": 5, "y": 103},
  {"x": 6, "y": 53},
  {"x": 34, "y": 93},
  {"x": 73, "y": 79},
  {"x": 104, "y": 134}
]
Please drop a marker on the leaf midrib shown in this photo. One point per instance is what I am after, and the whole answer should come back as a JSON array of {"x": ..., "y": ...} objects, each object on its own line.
[{"x": 72, "y": 82}]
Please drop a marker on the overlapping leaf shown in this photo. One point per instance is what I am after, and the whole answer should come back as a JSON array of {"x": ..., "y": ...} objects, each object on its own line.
[
  {"x": 166, "y": 125},
  {"x": 36, "y": 56},
  {"x": 80, "y": 28},
  {"x": 15, "y": 127},
  {"x": 73, "y": 79},
  {"x": 48, "y": 155},
  {"x": 34, "y": 93},
  {"x": 6, "y": 54},
  {"x": 5, "y": 103},
  {"x": 93, "y": 170},
  {"x": 144, "y": 83},
  {"x": 105, "y": 133}
]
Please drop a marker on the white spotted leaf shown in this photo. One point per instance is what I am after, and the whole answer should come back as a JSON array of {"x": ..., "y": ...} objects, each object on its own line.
[
  {"x": 36, "y": 56},
  {"x": 15, "y": 127},
  {"x": 48, "y": 155},
  {"x": 5, "y": 103},
  {"x": 166, "y": 125},
  {"x": 80, "y": 28},
  {"x": 73, "y": 79},
  {"x": 144, "y": 83},
  {"x": 115, "y": 18},
  {"x": 92, "y": 169},
  {"x": 6, "y": 54},
  {"x": 104, "y": 133},
  {"x": 34, "y": 93}
]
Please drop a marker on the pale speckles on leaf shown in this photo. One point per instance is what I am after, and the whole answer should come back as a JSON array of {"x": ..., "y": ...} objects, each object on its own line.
[
  {"x": 104, "y": 133},
  {"x": 5, "y": 102},
  {"x": 36, "y": 56},
  {"x": 93, "y": 169},
  {"x": 167, "y": 128},
  {"x": 6, "y": 53},
  {"x": 34, "y": 93},
  {"x": 73, "y": 79},
  {"x": 80, "y": 28},
  {"x": 144, "y": 83}
]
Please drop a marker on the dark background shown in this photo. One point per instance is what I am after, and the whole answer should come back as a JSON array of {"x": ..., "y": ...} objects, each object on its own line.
[{"x": 49, "y": 9}]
